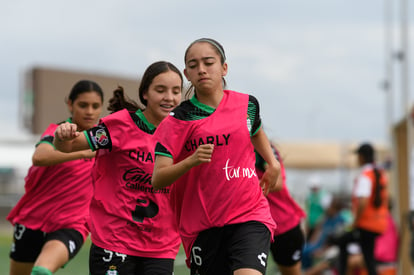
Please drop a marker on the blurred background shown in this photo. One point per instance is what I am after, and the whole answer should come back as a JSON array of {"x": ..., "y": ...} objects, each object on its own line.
[{"x": 328, "y": 74}]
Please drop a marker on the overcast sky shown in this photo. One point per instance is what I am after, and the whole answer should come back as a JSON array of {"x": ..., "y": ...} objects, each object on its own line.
[{"x": 315, "y": 66}]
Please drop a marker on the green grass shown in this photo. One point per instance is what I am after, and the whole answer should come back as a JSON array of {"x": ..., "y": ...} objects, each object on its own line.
[{"x": 79, "y": 265}]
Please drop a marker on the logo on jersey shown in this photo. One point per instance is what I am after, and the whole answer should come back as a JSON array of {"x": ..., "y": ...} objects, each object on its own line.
[
  {"x": 112, "y": 270},
  {"x": 262, "y": 258},
  {"x": 101, "y": 137},
  {"x": 217, "y": 140},
  {"x": 296, "y": 255},
  {"x": 238, "y": 172},
  {"x": 144, "y": 209},
  {"x": 72, "y": 246}
]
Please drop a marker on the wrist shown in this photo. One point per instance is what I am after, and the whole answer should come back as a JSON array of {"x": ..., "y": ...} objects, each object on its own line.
[{"x": 57, "y": 138}]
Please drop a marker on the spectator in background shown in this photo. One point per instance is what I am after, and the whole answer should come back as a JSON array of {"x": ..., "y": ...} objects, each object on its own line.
[
  {"x": 332, "y": 224},
  {"x": 316, "y": 203},
  {"x": 385, "y": 251},
  {"x": 369, "y": 207},
  {"x": 385, "y": 254}
]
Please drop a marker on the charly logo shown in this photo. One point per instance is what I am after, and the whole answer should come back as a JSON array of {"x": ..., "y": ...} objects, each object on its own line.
[
  {"x": 101, "y": 137},
  {"x": 217, "y": 140},
  {"x": 112, "y": 270}
]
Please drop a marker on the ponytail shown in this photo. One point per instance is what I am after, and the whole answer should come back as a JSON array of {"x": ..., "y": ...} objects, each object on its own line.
[
  {"x": 377, "y": 188},
  {"x": 119, "y": 101}
]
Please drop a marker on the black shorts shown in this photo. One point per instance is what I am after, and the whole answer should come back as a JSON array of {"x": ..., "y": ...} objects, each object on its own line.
[
  {"x": 287, "y": 247},
  {"x": 28, "y": 243},
  {"x": 103, "y": 261},
  {"x": 221, "y": 250}
]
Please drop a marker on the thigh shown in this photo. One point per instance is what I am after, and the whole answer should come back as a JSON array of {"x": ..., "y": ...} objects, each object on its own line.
[
  {"x": 27, "y": 244},
  {"x": 287, "y": 247},
  {"x": 248, "y": 246},
  {"x": 107, "y": 262},
  {"x": 53, "y": 256},
  {"x": 208, "y": 255},
  {"x": 71, "y": 238}
]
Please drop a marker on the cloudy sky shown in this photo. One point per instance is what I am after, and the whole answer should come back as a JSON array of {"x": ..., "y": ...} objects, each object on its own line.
[{"x": 315, "y": 66}]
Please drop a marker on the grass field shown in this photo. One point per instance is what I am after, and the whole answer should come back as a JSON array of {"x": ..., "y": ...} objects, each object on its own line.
[{"x": 79, "y": 265}]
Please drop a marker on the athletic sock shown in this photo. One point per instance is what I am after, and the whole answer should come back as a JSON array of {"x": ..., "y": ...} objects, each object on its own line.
[{"x": 40, "y": 270}]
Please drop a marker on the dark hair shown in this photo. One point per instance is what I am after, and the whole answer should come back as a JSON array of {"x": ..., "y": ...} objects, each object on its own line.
[
  {"x": 217, "y": 47},
  {"x": 366, "y": 150},
  {"x": 84, "y": 86},
  {"x": 219, "y": 50},
  {"x": 119, "y": 101},
  {"x": 378, "y": 187},
  {"x": 151, "y": 72}
]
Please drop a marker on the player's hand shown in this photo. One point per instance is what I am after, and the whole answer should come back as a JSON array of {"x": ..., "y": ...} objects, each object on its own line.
[
  {"x": 271, "y": 180},
  {"x": 66, "y": 131},
  {"x": 203, "y": 154}
]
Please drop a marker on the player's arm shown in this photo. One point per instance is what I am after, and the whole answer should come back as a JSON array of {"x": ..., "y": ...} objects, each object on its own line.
[
  {"x": 46, "y": 155},
  {"x": 272, "y": 178},
  {"x": 68, "y": 139},
  {"x": 166, "y": 172}
]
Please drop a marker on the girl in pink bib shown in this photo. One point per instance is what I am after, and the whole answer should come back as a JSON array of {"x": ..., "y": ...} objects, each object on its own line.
[
  {"x": 50, "y": 220},
  {"x": 133, "y": 230},
  {"x": 205, "y": 152}
]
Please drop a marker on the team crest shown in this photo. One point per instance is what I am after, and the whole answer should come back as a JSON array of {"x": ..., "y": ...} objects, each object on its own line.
[
  {"x": 112, "y": 270},
  {"x": 101, "y": 137}
]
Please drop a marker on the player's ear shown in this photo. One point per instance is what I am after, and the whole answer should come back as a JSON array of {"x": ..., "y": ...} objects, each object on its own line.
[
  {"x": 70, "y": 106},
  {"x": 225, "y": 68},
  {"x": 186, "y": 75}
]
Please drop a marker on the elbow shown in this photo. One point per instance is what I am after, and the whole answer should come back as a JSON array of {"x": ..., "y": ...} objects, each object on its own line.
[
  {"x": 38, "y": 161},
  {"x": 155, "y": 183},
  {"x": 158, "y": 182},
  {"x": 156, "y": 186}
]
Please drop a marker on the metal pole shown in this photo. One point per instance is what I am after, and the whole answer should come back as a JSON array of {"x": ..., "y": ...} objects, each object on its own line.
[
  {"x": 406, "y": 100},
  {"x": 406, "y": 96},
  {"x": 388, "y": 84}
]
